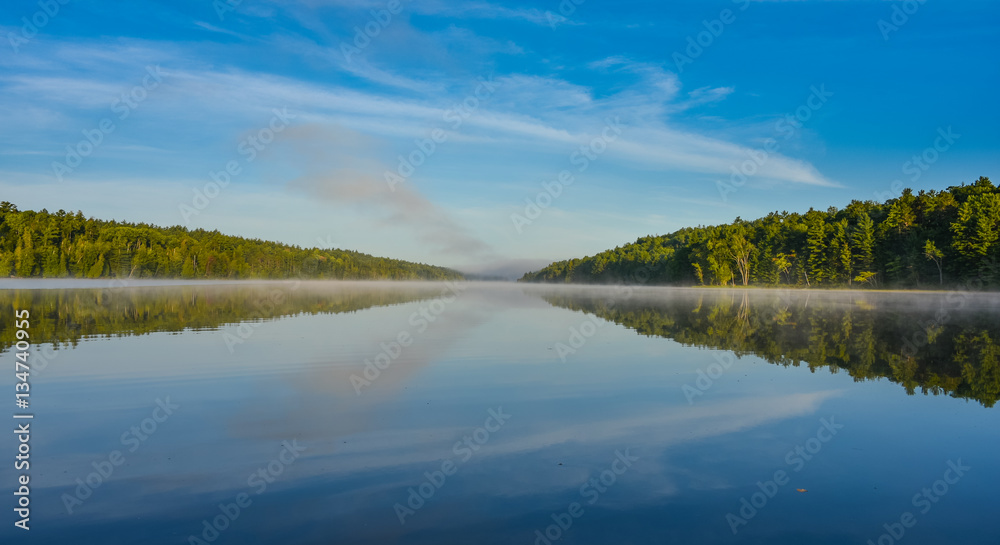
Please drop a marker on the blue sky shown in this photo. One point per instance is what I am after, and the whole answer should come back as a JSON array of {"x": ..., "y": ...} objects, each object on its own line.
[{"x": 511, "y": 91}]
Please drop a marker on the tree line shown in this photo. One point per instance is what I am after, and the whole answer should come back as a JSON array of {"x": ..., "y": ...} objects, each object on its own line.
[
  {"x": 927, "y": 239},
  {"x": 67, "y": 245}
]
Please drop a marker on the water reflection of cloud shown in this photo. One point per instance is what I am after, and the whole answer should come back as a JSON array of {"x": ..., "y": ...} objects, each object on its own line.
[{"x": 326, "y": 389}]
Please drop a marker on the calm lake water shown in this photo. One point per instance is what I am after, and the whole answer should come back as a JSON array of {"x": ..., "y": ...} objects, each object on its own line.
[{"x": 368, "y": 413}]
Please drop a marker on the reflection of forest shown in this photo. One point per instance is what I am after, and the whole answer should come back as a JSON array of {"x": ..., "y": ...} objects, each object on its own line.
[
  {"x": 934, "y": 347},
  {"x": 64, "y": 316}
]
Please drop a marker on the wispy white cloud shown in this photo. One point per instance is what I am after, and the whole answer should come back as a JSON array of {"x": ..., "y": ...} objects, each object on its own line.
[
  {"x": 212, "y": 28},
  {"x": 549, "y": 110},
  {"x": 469, "y": 10}
]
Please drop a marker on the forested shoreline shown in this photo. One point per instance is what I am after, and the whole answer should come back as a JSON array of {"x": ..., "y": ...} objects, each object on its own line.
[
  {"x": 928, "y": 239},
  {"x": 68, "y": 245}
]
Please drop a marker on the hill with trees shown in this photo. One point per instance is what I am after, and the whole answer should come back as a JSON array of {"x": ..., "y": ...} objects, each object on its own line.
[
  {"x": 928, "y": 239},
  {"x": 62, "y": 244}
]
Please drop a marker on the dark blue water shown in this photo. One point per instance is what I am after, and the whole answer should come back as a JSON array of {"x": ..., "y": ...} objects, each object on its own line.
[{"x": 505, "y": 414}]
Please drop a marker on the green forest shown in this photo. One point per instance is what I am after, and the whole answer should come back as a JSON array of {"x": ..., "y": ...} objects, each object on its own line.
[
  {"x": 923, "y": 240},
  {"x": 924, "y": 345},
  {"x": 67, "y": 245}
]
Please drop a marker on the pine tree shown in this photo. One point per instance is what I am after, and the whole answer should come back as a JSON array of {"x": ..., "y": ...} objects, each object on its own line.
[
  {"x": 863, "y": 243},
  {"x": 817, "y": 245}
]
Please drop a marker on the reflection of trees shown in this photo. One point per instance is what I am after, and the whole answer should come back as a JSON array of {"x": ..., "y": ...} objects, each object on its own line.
[
  {"x": 64, "y": 316},
  {"x": 978, "y": 355},
  {"x": 919, "y": 347}
]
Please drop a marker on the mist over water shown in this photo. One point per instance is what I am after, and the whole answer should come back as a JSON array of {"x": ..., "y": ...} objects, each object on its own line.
[{"x": 507, "y": 413}]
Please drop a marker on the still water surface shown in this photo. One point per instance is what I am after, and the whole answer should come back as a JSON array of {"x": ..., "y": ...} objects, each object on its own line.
[{"x": 502, "y": 413}]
